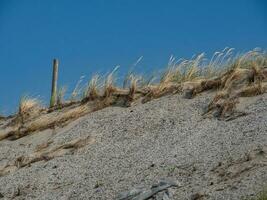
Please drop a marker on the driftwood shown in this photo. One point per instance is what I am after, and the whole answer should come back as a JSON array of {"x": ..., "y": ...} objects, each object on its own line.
[{"x": 159, "y": 190}]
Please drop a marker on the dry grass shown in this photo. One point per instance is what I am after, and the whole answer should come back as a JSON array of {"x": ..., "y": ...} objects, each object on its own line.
[
  {"x": 133, "y": 86},
  {"x": 61, "y": 95},
  {"x": 77, "y": 90},
  {"x": 109, "y": 86},
  {"x": 230, "y": 76},
  {"x": 28, "y": 109},
  {"x": 246, "y": 78},
  {"x": 92, "y": 89},
  {"x": 28, "y": 104},
  {"x": 51, "y": 120}
]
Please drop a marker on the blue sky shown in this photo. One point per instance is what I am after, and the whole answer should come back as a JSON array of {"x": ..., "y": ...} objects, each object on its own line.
[{"x": 96, "y": 35}]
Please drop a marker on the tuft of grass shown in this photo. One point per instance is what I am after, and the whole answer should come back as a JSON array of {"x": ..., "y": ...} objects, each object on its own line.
[
  {"x": 132, "y": 88},
  {"x": 127, "y": 77},
  {"x": 77, "y": 90},
  {"x": 92, "y": 90},
  {"x": 61, "y": 95},
  {"x": 109, "y": 86},
  {"x": 29, "y": 105}
]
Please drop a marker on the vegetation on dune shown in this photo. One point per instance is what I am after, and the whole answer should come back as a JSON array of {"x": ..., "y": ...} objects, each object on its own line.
[{"x": 229, "y": 76}]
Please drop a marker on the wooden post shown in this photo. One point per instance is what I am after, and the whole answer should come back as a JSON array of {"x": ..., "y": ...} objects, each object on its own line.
[{"x": 53, "y": 99}]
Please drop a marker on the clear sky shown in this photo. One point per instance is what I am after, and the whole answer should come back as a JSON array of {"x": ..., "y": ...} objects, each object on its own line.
[{"x": 96, "y": 35}]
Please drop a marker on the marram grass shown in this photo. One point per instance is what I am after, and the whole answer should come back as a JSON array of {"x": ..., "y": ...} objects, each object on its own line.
[{"x": 229, "y": 76}]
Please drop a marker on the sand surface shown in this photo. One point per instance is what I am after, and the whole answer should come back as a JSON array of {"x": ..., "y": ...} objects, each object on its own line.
[{"x": 166, "y": 138}]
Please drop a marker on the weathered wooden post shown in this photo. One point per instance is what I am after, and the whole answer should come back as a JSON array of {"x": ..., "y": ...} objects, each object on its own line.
[{"x": 53, "y": 99}]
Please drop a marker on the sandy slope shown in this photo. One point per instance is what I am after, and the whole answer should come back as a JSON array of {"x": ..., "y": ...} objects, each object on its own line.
[{"x": 164, "y": 138}]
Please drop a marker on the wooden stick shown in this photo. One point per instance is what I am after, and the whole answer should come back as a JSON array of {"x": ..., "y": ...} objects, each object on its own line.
[{"x": 53, "y": 99}]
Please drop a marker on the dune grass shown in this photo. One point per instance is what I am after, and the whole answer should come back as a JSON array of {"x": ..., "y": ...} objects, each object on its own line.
[
  {"x": 61, "y": 95},
  {"x": 190, "y": 71},
  {"x": 28, "y": 107},
  {"x": 27, "y": 104},
  {"x": 229, "y": 76}
]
